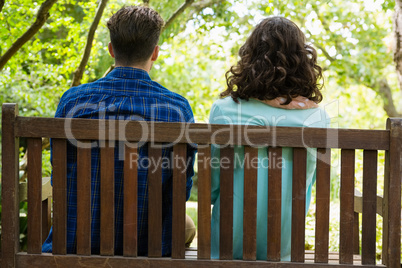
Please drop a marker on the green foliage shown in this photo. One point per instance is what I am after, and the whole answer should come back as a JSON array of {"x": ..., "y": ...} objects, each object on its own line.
[
  {"x": 42, "y": 69},
  {"x": 353, "y": 40}
]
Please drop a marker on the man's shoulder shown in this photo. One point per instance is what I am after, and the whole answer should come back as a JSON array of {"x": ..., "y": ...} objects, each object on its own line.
[
  {"x": 173, "y": 102},
  {"x": 83, "y": 87},
  {"x": 131, "y": 93},
  {"x": 169, "y": 95}
]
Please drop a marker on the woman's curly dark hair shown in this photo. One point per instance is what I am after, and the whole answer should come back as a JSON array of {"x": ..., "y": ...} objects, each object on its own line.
[{"x": 275, "y": 62}]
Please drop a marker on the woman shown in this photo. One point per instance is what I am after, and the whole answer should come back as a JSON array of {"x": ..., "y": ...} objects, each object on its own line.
[{"x": 276, "y": 82}]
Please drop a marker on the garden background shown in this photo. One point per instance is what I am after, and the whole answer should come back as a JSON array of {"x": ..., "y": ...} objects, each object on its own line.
[{"x": 48, "y": 46}]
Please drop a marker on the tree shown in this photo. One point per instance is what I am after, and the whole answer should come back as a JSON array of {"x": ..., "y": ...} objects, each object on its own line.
[
  {"x": 352, "y": 46},
  {"x": 199, "y": 44},
  {"x": 1, "y": 4},
  {"x": 398, "y": 40},
  {"x": 41, "y": 18},
  {"x": 80, "y": 70},
  {"x": 47, "y": 59},
  {"x": 352, "y": 39}
]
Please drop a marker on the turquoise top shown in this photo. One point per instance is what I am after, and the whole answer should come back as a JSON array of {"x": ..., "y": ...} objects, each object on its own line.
[{"x": 254, "y": 112}]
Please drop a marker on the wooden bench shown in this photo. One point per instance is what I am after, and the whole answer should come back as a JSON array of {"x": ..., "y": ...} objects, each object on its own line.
[{"x": 348, "y": 140}]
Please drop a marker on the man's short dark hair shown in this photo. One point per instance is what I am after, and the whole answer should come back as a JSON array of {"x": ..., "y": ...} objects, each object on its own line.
[{"x": 134, "y": 33}]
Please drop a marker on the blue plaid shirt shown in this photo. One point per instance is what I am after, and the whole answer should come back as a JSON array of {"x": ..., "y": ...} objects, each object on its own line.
[{"x": 125, "y": 93}]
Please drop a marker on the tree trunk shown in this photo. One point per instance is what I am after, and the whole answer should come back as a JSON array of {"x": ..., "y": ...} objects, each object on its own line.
[
  {"x": 398, "y": 40},
  {"x": 1, "y": 5},
  {"x": 87, "y": 52},
  {"x": 384, "y": 91},
  {"x": 41, "y": 17}
]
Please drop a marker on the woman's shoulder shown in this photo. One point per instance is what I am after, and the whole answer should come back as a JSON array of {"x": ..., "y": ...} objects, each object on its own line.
[
  {"x": 227, "y": 101},
  {"x": 259, "y": 113}
]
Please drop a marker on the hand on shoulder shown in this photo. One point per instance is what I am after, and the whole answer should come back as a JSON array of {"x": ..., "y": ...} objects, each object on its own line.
[{"x": 298, "y": 103}]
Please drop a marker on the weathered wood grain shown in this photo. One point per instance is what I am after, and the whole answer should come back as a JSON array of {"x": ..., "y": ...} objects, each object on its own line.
[
  {"x": 59, "y": 196},
  {"x": 204, "y": 202},
  {"x": 130, "y": 239},
  {"x": 274, "y": 204},
  {"x": 154, "y": 202},
  {"x": 34, "y": 195},
  {"x": 226, "y": 205},
  {"x": 323, "y": 184},
  {"x": 202, "y": 133},
  {"x": 369, "y": 207},
  {"x": 47, "y": 260},
  {"x": 298, "y": 204},
  {"x": 9, "y": 189},
  {"x": 179, "y": 200},
  {"x": 347, "y": 212},
  {"x": 393, "y": 193},
  {"x": 107, "y": 198},
  {"x": 84, "y": 201},
  {"x": 250, "y": 203}
]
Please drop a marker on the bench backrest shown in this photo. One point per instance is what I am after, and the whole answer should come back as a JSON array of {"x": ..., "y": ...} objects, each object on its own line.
[{"x": 179, "y": 134}]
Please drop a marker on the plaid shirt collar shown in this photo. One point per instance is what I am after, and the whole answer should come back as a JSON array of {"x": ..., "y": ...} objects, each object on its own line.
[{"x": 129, "y": 73}]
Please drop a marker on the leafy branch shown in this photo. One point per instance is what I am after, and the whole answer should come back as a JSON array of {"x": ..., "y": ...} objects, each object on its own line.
[
  {"x": 81, "y": 68},
  {"x": 177, "y": 13},
  {"x": 381, "y": 86},
  {"x": 200, "y": 5},
  {"x": 325, "y": 52},
  {"x": 41, "y": 17},
  {"x": 325, "y": 25}
]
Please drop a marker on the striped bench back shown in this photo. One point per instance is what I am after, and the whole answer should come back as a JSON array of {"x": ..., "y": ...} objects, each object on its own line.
[{"x": 179, "y": 134}]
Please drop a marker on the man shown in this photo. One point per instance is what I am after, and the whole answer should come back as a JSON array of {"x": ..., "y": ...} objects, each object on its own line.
[{"x": 125, "y": 93}]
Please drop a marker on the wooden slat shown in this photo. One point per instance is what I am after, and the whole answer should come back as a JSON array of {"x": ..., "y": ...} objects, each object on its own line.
[
  {"x": 359, "y": 203},
  {"x": 107, "y": 199},
  {"x": 356, "y": 231},
  {"x": 346, "y": 206},
  {"x": 322, "y": 205},
  {"x": 130, "y": 202},
  {"x": 179, "y": 200},
  {"x": 59, "y": 196},
  {"x": 369, "y": 206},
  {"x": 204, "y": 202},
  {"x": 226, "y": 205},
  {"x": 298, "y": 204},
  {"x": 385, "y": 232},
  {"x": 34, "y": 195},
  {"x": 202, "y": 133},
  {"x": 84, "y": 201},
  {"x": 154, "y": 201},
  {"x": 250, "y": 203},
  {"x": 274, "y": 204},
  {"x": 393, "y": 200},
  {"x": 46, "y": 218},
  {"x": 9, "y": 191}
]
